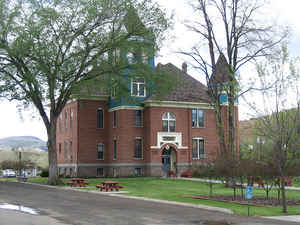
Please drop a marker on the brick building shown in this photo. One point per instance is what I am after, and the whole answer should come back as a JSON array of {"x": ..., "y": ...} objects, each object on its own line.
[{"x": 97, "y": 137}]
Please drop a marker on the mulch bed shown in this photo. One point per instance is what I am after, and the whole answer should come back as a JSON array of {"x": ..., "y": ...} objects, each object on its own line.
[{"x": 255, "y": 201}]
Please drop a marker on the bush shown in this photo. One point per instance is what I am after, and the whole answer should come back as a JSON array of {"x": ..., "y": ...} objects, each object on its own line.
[{"x": 45, "y": 173}]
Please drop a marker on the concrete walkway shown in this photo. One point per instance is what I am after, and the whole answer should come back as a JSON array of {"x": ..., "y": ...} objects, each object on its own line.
[
  {"x": 220, "y": 182},
  {"x": 285, "y": 218}
]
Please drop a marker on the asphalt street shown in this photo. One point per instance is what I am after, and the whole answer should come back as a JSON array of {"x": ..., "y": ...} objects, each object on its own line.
[{"x": 64, "y": 207}]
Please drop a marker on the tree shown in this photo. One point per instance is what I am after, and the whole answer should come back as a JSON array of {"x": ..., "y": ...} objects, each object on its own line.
[
  {"x": 51, "y": 49},
  {"x": 17, "y": 165},
  {"x": 231, "y": 28},
  {"x": 279, "y": 116},
  {"x": 206, "y": 170}
]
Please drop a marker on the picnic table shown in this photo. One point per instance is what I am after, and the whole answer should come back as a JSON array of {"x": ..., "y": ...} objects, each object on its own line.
[
  {"x": 109, "y": 185},
  {"x": 77, "y": 182}
]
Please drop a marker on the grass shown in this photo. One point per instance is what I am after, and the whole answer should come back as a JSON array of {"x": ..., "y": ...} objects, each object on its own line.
[{"x": 176, "y": 189}]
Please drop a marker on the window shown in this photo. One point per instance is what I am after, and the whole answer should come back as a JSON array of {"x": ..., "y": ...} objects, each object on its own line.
[
  {"x": 138, "y": 118},
  {"x": 71, "y": 151},
  {"x": 114, "y": 119},
  {"x": 197, "y": 118},
  {"x": 114, "y": 87},
  {"x": 59, "y": 148},
  {"x": 169, "y": 122},
  {"x": 132, "y": 58},
  {"x": 137, "y": 56},
  {"x": 115, "y": 150},
  {"x": 100, "y": 172},
  {"x": 138, "y": 172},
  {"x": 66, "y": 119},
  {"x": 71, "y": 118},
  {"x": 100, "y": 151},
  {"x": 138, "y": 87},
  {"x": 138, "y": 148},
  {"x": 100, "y": 120},
  {"x": 59, "y": 122},
  {"x": 198, "y": 148},
  {"x": 66, "y": 150},
  {"x": 144, "y": 58},
  {"x": 115, "y": 172}
]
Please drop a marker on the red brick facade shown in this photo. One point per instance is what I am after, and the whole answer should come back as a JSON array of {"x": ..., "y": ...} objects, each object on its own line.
[{"x": 85, "y": 137}]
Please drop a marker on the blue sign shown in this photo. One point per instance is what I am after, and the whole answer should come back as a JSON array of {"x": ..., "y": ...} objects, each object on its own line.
[{"x": 248, "y": 194}]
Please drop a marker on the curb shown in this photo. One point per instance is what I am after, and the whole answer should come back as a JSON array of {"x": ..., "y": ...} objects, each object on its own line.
[{"x": 116, "y": 194}]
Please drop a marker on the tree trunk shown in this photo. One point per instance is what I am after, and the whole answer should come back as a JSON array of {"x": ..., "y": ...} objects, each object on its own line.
[
  {"x": 220, "y": 128},
  {"x": 234, "y": 193},
  {"x": 231, "y": 118},
  {"x": 52, "y": 157},
  {"x": 210, "y": 188},
  {"x": 283, "y": 197}
]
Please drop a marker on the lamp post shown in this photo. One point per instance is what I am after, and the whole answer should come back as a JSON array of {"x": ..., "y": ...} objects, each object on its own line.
[{"x": 20, "y": 159}]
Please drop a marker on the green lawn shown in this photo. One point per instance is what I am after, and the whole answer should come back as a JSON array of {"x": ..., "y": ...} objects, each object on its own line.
[{"x": 175, "y": 189}]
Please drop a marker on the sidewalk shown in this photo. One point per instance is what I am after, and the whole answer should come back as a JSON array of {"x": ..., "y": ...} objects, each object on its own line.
[
  {"x": 284, "y": 218},
  {"x": 220, "y": 182}
]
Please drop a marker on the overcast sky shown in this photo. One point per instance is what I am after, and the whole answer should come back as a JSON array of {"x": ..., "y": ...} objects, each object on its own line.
[{"x": 285, "y": 11}]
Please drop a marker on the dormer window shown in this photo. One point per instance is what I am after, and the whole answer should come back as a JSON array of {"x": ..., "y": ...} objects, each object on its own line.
[
  {"x": 138, "y": 87},
  {"x": 138, "y": 56},
  {"x": 132, "y": 58},
  {"x": 144, "y": 58}
]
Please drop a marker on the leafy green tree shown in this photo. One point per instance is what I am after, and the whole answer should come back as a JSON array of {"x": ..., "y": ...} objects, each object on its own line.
[{"x": 50, "y": 49}]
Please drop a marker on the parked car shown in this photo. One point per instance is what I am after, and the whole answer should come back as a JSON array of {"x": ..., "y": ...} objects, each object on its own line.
[{"x": 9, "y": 173}]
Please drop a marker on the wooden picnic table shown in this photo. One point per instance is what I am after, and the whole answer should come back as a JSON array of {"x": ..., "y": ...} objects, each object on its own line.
[
  {"x": 109, "y": 185},
  {"x": 77, "y": 182}
]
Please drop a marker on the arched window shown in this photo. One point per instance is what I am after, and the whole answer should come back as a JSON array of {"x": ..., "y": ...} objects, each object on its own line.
[{"x": 169, "y": 122}]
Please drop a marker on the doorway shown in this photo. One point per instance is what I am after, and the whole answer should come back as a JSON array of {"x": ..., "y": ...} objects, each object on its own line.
[{"x": 169, "y": 160}]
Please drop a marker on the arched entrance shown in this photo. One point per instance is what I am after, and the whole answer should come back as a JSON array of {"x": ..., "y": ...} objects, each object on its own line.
[{"x": 169, "y": 160}]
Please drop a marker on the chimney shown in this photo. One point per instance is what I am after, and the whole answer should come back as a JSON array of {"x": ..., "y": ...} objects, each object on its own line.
[{"x": 184, "y": 67}]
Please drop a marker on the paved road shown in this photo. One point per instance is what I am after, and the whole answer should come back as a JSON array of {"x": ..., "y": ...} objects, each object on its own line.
[{"x": 65, "y": 207}]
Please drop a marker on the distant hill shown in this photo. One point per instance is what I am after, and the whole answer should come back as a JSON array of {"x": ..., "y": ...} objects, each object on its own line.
[{"x": 27, "y": 143}]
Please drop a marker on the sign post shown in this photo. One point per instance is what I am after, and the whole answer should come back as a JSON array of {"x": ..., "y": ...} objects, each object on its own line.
[{"x": 248, "y": 196}]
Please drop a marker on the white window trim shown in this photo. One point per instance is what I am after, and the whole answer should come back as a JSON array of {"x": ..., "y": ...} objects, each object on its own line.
[
  {"x": 142, "y": 148},
  {"x": 98, "y": 151},
  {"x": 198, "y": 149},
  {"x": 97, "y": 118},
  {"x": 138, "y": 88},
  {"x": 197, "y": 118},
  {"x": 169, "y": 119}
]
